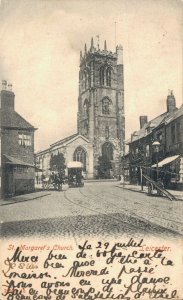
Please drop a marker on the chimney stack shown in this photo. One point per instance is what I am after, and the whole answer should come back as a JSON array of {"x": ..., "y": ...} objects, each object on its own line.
[
  {"x": 171, "y": 102},
  {"x": 10, "y": 87},
  {"x": 4, "y": 85},
  {"x": 7, "y": 96},
  {"x": 143, "y": 121}
]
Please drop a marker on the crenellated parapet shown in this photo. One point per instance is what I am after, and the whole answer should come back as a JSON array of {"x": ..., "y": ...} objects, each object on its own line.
[{"x": 96, "y": 51}]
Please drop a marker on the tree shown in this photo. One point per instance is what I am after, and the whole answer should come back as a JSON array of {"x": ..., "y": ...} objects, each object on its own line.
[
  {"x": 104, "y": 167},
  {"x": 57, "y": 163}
]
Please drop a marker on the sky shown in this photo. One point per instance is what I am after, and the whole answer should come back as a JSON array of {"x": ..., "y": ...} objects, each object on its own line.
[{"x": 40, "y": 42}]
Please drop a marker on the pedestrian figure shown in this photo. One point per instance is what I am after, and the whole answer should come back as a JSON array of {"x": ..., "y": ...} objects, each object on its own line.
[
  {"x": 78, "y": 179},
  {"x": 150, "y": 188},
  {"x": 55, "y": 181},
  {"x": 160, "y": 185},
  {"x": 60, "y": 181},
  {"x": 122, "y": 181},
  {"x": 52, "y": 177}
]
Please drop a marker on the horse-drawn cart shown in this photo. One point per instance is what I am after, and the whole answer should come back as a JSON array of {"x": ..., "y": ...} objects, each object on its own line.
[
  {"x": 55, "y": 182},
  {"x": 50, "y": 183},
  {"x": 75, "y": 174}
]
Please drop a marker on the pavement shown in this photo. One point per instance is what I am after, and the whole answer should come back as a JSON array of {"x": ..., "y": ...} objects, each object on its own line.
[
  {"x": 137, "y": 188},
  {"x": 39, "y": 193},
  {"x": 25, "y": 197},
  {"x": 98, "y": 208}
]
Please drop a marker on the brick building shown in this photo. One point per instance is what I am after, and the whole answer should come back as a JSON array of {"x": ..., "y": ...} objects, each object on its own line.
[
  {"x": 101, "y": 121},
  {"x": 17, "y": 148},
  {"x": 174, "y": 145},
  {"x": 167, "y": 130}
]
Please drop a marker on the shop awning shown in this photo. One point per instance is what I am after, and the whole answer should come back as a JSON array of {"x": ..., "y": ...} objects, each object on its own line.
[
  {"x": 15, "y": 161},
  {"x": 166, "y": 161},
  {"x": 74, "y": 164},
  {"x": 38, "y": 169}
]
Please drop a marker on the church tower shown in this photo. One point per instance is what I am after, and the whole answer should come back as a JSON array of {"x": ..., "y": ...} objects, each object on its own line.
[{"x": 101, "y": 103}]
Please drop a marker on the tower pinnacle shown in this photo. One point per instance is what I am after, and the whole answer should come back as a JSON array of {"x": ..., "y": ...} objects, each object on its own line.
[
  {"x": 85, "y": 48},
  {"x": 119, "y": 51},
  {"x": 98, "y": 39},
  {"x": 80, "y": 55}
]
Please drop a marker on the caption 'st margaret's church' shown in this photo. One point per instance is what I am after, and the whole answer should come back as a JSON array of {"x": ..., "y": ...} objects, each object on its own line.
[{"x": 100, "y": 120}]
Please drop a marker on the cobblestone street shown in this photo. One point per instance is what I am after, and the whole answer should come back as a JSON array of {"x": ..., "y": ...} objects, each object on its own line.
[{"x": 101, "y": 209}]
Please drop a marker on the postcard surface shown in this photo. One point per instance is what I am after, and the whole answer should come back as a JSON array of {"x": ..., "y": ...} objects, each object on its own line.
[{"x": 91, "y": 141}]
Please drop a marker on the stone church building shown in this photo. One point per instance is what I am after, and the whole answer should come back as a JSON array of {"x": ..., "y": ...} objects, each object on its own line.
[{"x": 100, "y": 119}]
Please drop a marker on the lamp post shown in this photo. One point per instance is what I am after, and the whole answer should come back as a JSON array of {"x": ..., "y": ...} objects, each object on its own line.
[
  {"x": 156, "y": 146},
  {"x": 123, "y": 170},
  {"x": 134, "y": 135}
]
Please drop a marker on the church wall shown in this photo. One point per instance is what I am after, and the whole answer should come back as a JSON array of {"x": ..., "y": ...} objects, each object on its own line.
[
  {"x": 111, "y": 124},
  {"x": 107, "y": 92},
  {"x": 87, "y": 147},
  {"x": 107, "y": 120},
  {"x": 71, "y": 147},
  {"x": 43, "y": 161},
  {"x": 83, "y": 117},
  {"x": 102, "y": 61},
  {"x": 100, "y": 76},
  {"x": 103, "y": 127},
  {"x": 43, "y": 158}
]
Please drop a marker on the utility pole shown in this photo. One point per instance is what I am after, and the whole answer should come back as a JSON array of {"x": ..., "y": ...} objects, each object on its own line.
[{"x": 115, "y": 35}]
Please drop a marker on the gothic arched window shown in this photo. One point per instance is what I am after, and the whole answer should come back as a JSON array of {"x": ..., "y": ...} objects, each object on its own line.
[
  {"x": 107, "y": 151},
  {"x": 108, "y": 77},
  {"x": 86, "y": 108},
  {"x": 102, "y": 76},
  {"x": 80, "y": 155},
  {"x": 106, "y": 106}
]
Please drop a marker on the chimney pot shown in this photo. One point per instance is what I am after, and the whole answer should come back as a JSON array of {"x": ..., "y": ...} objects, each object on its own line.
[
  {"x": 4, "y": 84},
  {"x": 7, "y": 96},
  {"x": 10, "y": 87}
]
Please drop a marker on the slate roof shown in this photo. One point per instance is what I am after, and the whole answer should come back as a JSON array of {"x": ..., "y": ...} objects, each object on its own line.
[
  {"x": 67, "y": 139},
  {"x": 11, "y": 119},
  {"x": 178, "y": 113},
  {"x": 154, "y": 123},
  {"x": 137, "y": 135},
  {"x": 15, "y": 161},
  {"x": 64, "y": 140},
  {"x": 166, "y": 161},
  {"x": 61, "y": 142}
]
